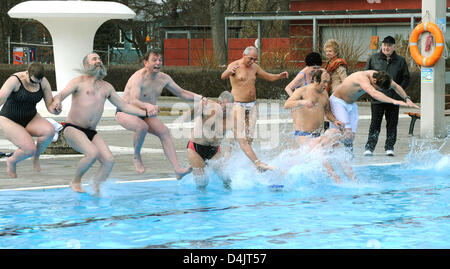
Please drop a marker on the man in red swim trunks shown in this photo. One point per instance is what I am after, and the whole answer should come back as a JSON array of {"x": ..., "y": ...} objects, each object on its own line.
[{"x": 212, "y": 121}]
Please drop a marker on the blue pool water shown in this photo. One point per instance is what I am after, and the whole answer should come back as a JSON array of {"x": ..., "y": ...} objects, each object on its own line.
[{"x": 393, "y": 206}]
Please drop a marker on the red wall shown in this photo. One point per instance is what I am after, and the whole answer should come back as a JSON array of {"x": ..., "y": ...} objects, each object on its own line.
[{"x": 176, "y": 52}]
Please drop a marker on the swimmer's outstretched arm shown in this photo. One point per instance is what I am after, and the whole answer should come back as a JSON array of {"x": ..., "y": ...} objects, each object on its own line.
[
  {"x": 271, "y": 77},
  {"x": 180, "y": 92},
  {"x": 374, "y": 93},
  {"x": 70, "y": 88},
  {"x": 401, "y": 92},
  {"x": 117, "y": 101},
  {"x": 48, "y": 96}
]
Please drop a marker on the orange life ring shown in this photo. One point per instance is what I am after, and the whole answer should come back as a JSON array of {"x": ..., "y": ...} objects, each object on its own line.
[{"x": 438, "y": 36}]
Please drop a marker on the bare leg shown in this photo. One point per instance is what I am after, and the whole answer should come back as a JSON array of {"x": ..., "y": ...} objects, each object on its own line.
[
  {"x": 22, "y": 139},
  {"x": 157, "y": 128},
  {"x": 79, "y": 142},
  {"x": 198, "y": 168},
  {"x": 241, "y": 138},
  {"x": 140, "y": 129},
  {"x": 44, "y": 131},
  {"x": 106, "y": 160},
  {"x": 331, "y": 172},
  {"x": 250, "y": 122}
]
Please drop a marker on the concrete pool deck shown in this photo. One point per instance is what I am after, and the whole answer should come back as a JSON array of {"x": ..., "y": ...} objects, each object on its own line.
[{"x": 57, "y": 170}]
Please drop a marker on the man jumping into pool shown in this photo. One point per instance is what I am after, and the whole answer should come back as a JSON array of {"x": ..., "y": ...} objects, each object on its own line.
[
  {"x": 242, "y": 74},
  {"x": 212, "y": 121},
  {"x": 343, "y": 99},
  {"x": 144, "y": 87},
  {"x": 89, "y": 93},
  {"x": 310, "y": 104}
]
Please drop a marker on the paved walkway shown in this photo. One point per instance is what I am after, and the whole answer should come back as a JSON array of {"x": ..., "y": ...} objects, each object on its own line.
[{"x": 58, "y": 170}]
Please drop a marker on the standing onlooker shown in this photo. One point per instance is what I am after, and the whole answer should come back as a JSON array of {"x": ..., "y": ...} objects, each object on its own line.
[
  {"x": 336, "y": 67},
  {"x": 386, "y": 60}
]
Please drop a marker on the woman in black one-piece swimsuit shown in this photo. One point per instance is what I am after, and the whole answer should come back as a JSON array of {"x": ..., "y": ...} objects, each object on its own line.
[{"x": 19, "y": 119}]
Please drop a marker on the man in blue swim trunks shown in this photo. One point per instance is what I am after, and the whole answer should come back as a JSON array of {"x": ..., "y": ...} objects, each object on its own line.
[{"x": 310, "y": 104}]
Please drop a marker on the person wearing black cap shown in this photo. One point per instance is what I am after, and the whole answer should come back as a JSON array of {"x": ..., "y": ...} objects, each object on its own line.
[{"x": 395, "y": 65}]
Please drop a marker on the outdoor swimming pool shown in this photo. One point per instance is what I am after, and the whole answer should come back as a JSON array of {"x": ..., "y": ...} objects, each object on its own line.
[{"x": 394, "y": 206}]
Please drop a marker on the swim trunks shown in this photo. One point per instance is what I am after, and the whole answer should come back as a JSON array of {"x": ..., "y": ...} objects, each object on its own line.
[
  {"x": 20, "y": 106},
  {"x": 248, "y": 106},
  {"x": 206, "y": 152},
  {"x": 89, "y": 133},
  {"x": 345, "y": 113},
  {"x": 301, "y": 133}
]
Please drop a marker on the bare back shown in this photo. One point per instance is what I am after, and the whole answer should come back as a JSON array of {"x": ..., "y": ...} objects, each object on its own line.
[
  {"x": 353, "y": 86},
  {"x": 243, "y": 82},
  {"x": 310, "y": 119},
  {"x": 88, "y": 101},
  {"x": 149, "y": 87},
  {"x": 210, "y": 127}
]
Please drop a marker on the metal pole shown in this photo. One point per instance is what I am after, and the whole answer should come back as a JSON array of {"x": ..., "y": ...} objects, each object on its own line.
[
  {"x": 226, "y": 40},
  {"x": 9, "y": 49},
  {"x": 259, "y": 42},
  {"x": 432, "y": 92},
  {"x": 108, "y": 53},
  {"x": 315, "y": 34},
  {"x": 189, "y": 47}
]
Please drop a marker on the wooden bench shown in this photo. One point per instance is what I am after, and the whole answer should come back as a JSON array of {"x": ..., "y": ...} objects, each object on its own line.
[{"x": 415, "y": 115}]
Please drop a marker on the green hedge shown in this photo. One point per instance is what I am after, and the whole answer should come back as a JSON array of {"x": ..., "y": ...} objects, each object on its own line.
[{"x": 204, "y": 82}]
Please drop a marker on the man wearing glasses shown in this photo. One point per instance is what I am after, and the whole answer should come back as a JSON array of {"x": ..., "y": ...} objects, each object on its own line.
[{"x": 242, "y": 74}]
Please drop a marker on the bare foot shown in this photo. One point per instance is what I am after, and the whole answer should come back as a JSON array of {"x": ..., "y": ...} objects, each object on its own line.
[
  {"x": 11, "y": 168},
  {"x": 76, "y": 187},
  {"x": 182, "y": 172},
  {"x": 36, "y": 165},
  {"x": 138, "y": 165}
]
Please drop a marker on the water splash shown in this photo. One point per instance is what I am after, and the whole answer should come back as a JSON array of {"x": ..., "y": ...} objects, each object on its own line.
[{"x": 426, "y": 155}]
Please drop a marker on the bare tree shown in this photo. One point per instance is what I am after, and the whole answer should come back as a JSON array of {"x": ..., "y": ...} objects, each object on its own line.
[
  {"x": 217, "y": 8},
  {"x": 5, "y": 27}
]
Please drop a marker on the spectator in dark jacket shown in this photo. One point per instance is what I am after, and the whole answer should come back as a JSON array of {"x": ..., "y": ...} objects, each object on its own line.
[{"x": 386, "y": 60}]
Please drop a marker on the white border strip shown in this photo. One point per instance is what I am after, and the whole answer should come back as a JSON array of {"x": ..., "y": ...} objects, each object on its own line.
[{"x": 68, "y": 186}]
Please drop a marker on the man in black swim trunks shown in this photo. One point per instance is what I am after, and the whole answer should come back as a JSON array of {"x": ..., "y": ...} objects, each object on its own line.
[
  {"x": 212, "y": 120},
  {"x": 89, "y": 93}
]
